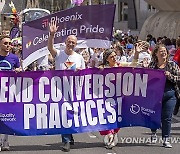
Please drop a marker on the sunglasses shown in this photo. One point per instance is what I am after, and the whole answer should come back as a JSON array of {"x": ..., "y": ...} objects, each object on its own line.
[{"x": 7, "y": 43}]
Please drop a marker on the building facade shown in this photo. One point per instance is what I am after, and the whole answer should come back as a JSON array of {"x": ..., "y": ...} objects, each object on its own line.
[
  {"x": 2, "y": 2},
  {"x": 131, "y": 14}
]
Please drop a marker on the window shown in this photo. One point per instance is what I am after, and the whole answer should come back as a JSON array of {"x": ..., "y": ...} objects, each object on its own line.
[
  {"x": 123, "y": 11},
  {"x": 151, "y": 8}
]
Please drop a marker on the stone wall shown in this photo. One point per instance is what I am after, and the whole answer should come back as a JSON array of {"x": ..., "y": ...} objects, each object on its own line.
[
  {"x": 166, "y": 22},
  {"x": 165, "y": 5}
]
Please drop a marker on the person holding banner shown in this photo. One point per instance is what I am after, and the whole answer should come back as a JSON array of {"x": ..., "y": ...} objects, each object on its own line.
[
  {"x": 8, "y": 62},
  {"x": 67, "y": 59},
  {"x": 110, "y": 136},
  {"x": 172, "y": 72},
  {"x": 176, "y": 58},
  {"x": 110, "y": 60}
]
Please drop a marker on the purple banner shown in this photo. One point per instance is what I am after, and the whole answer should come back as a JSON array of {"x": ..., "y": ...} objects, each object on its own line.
[
  {"x": 63, "y": 102},
  {"x": 92, "y": 25}
]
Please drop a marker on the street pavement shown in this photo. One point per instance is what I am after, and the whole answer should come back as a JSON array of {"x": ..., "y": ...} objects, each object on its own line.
[{"x": 134, "y": 140}]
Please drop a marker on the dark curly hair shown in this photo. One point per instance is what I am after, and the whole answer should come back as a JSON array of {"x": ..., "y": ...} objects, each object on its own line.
[{"x": 106, "y": 55}]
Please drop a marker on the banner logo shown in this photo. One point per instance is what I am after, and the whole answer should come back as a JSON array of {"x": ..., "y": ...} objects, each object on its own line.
[
  {"x": 45, "y": 23},
  {"x": 135, "y": 109},
  {"x": 28, "y": 44}
]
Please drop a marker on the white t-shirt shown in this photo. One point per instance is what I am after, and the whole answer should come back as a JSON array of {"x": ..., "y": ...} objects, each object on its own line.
[{"x": 71, "y": 62}]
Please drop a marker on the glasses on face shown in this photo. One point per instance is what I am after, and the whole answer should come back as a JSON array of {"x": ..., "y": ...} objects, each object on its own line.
[{"x": 7, "y": 43}]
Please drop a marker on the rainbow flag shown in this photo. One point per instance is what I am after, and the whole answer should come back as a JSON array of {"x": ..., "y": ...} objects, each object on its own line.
[{"x": 70, "y": 65}]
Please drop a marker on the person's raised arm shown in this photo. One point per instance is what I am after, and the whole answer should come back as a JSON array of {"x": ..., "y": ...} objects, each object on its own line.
[
  {"x": 52, "y": 29},
  {"x": 138, "y": 48}
]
